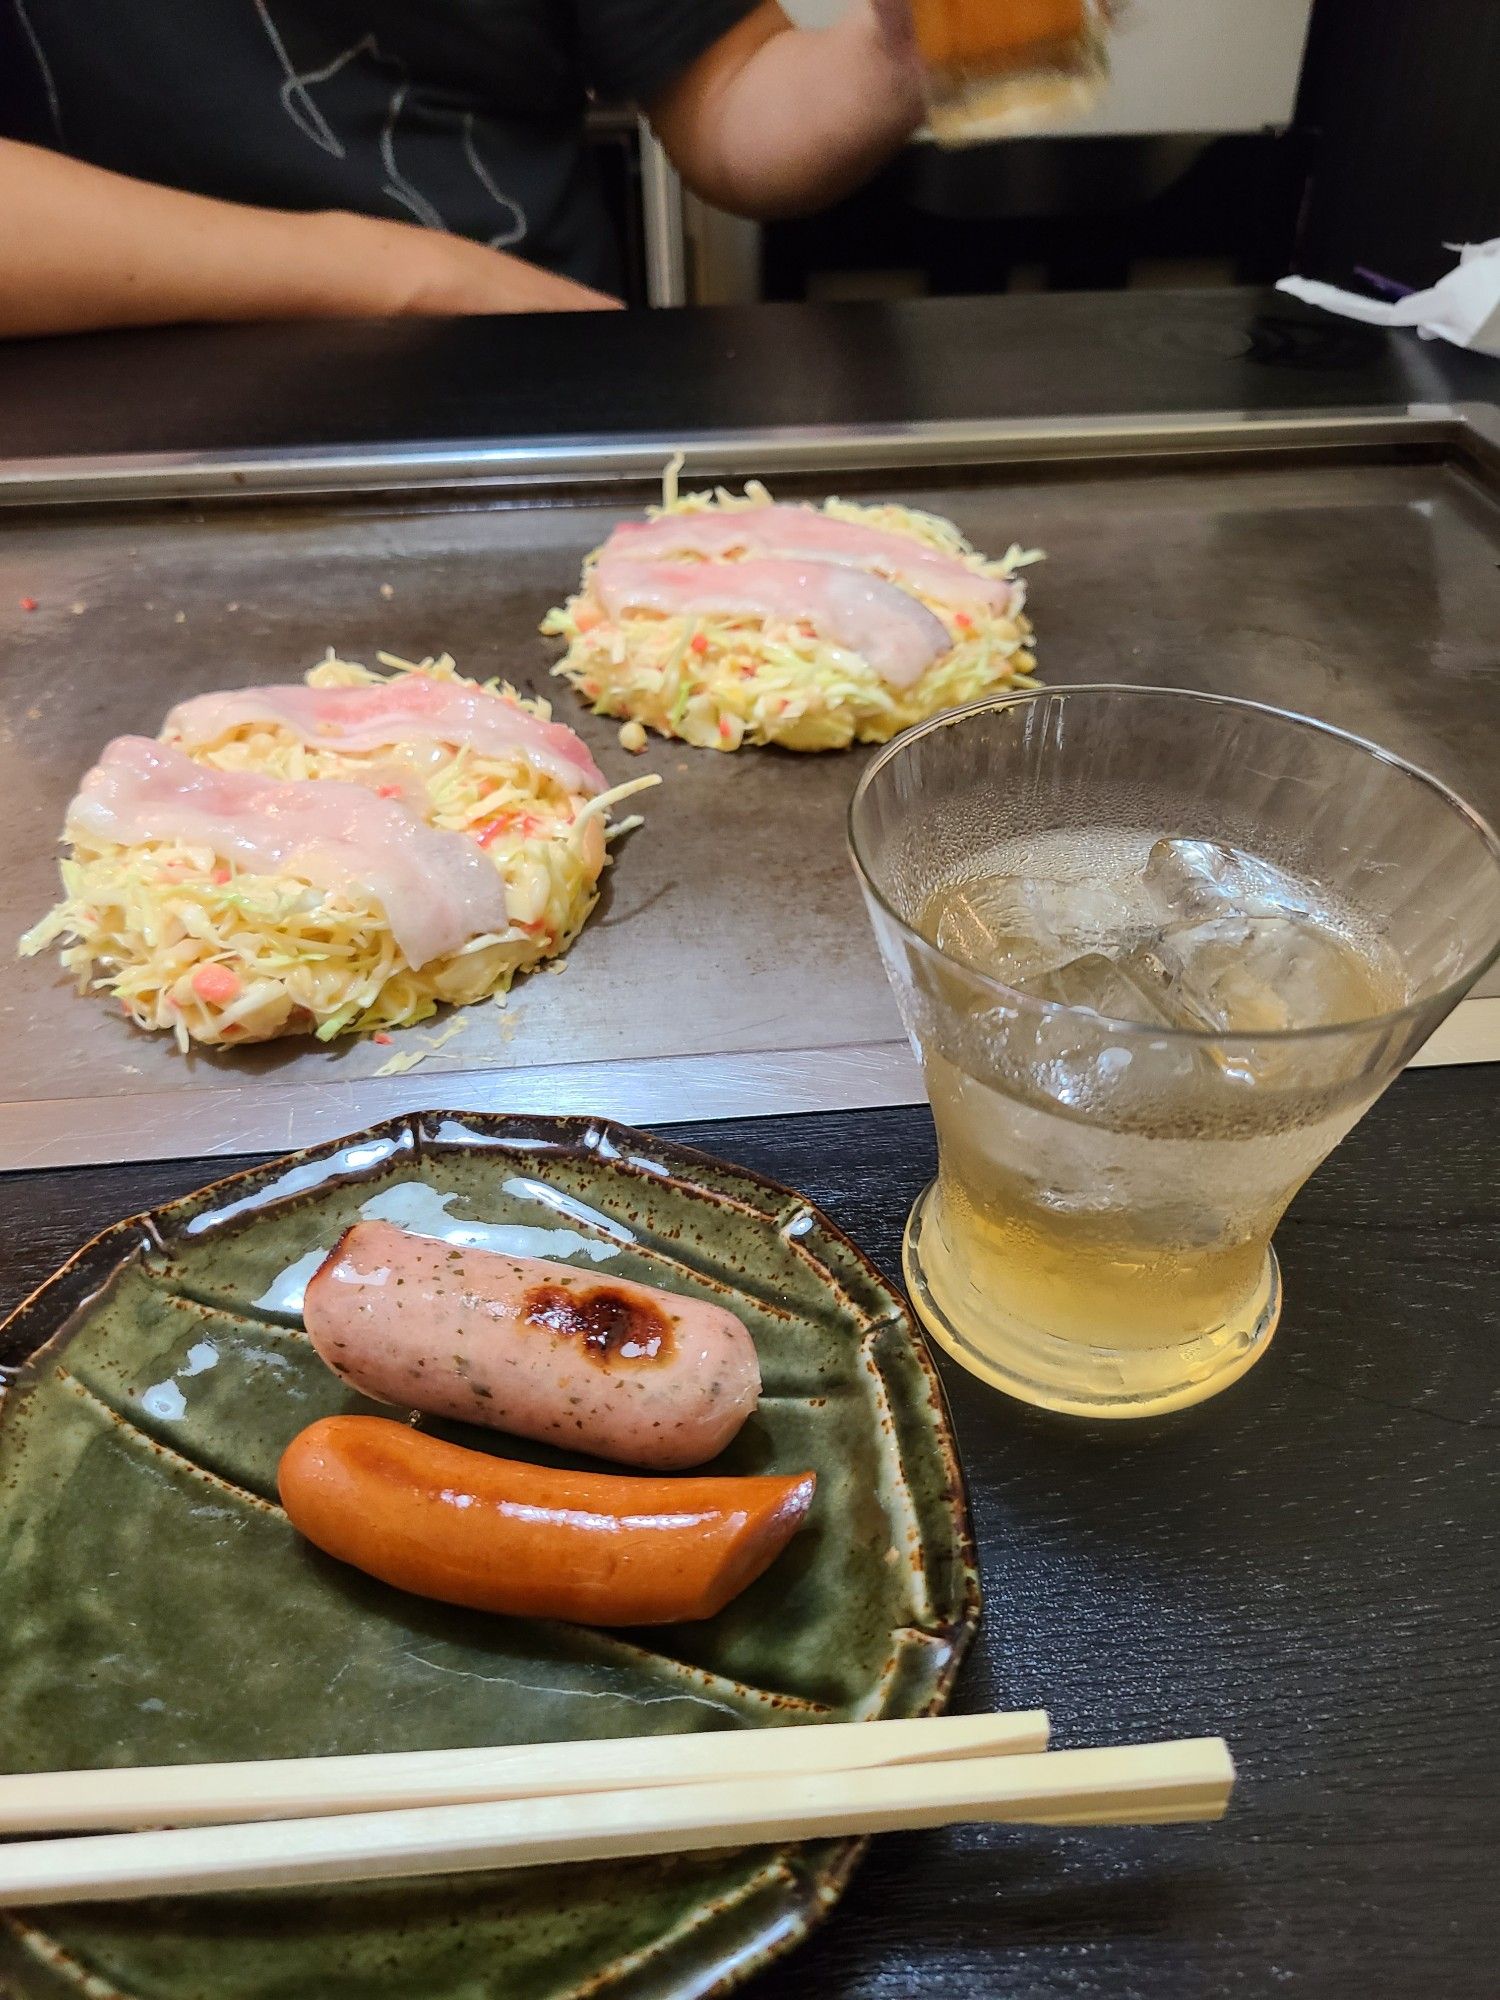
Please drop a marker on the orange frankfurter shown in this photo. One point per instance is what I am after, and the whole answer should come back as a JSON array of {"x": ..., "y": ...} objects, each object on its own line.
[{"x": 529, "y": 1540}]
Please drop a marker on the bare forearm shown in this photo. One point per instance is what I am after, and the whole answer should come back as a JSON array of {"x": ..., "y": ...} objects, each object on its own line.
[
  {"x": 804, "y": 116},
  {"x": 81, "y": 248}
]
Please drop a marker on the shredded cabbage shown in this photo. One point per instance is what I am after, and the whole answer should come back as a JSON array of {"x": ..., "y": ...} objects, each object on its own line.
[
  {"x": 186, "y": 944},
  {"x": 720, "y": 681}
]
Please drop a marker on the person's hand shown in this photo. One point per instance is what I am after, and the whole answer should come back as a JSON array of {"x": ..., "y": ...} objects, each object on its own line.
[
  {"x": 83, "y": 248},
  {"x": 402, "y": 269},
  {"x": 897, "y": 31}
]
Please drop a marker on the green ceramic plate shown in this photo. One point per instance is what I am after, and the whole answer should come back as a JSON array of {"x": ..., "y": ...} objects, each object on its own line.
[{"x": 156, "y": 1607}]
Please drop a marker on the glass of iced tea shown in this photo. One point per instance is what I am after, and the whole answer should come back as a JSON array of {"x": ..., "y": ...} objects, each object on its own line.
[
  {"x": 997, "y": 69},
  {"x": 1157, "y": 951}
]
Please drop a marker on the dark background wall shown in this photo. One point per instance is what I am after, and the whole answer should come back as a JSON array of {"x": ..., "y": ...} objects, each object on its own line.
[{"x": 1401, "y": 111}]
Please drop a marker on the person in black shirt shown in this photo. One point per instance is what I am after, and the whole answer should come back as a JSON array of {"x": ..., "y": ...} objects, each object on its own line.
[{"x": 240, "y": 159}]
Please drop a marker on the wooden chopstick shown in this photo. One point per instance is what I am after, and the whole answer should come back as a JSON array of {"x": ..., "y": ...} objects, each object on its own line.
[
  {"x": 1150, "y": 1782},
  {"x": 303, "y": 1787}
]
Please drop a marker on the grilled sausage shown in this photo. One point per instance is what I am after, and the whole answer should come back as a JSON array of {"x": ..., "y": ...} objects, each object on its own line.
[
  {"x": 519, "y": 1344},
  {"x": 497, "y": 1535}
]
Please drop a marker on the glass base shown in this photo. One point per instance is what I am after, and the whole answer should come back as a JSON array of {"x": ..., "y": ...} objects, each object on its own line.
[{"x": 1037, "y": 1367}]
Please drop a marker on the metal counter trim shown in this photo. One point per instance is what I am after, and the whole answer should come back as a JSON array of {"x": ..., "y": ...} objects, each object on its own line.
[
  {"x": 1467, "y": 429},
  {"x": 680, "y": 1090}
]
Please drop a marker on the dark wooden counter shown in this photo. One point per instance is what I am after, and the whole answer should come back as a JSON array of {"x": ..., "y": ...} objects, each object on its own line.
[
  {"x": 675, "y": 374},
  {"x": 1308, "y": 1564}
]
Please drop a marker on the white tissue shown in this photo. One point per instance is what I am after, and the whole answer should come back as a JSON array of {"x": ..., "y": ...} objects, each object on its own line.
[{"x": 1464, "y": 307}]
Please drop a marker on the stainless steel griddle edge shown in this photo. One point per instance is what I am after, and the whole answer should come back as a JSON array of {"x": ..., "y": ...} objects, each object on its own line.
[{"x": 1471, "y": 431}]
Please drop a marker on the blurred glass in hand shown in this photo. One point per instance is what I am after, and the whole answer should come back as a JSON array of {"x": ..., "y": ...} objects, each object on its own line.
[
  {"x": 1157, "y": 952},
  {"x": 996, "y": 68}
]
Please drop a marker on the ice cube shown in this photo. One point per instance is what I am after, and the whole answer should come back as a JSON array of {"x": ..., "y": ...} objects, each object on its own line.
[
  {"x": 1079, "y": 1056},
  {"x": 1088, "y": 913},
  {"x": 1263, "y": 974},
  {"x": 1194, "y": 879},
  {"x": 1134, "y": 986},
  {"x": 989, "y": 924},
  {"x": 1017, "y": 928}
]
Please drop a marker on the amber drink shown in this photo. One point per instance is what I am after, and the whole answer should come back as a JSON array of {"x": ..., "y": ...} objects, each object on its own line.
[
  {"x": 1148, "y": 1002},
  {"x": 1000, "y": 68}
]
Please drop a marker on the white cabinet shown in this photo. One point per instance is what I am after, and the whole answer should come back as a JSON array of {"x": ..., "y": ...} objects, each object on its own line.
[{"x": 1201, "y": 66}]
